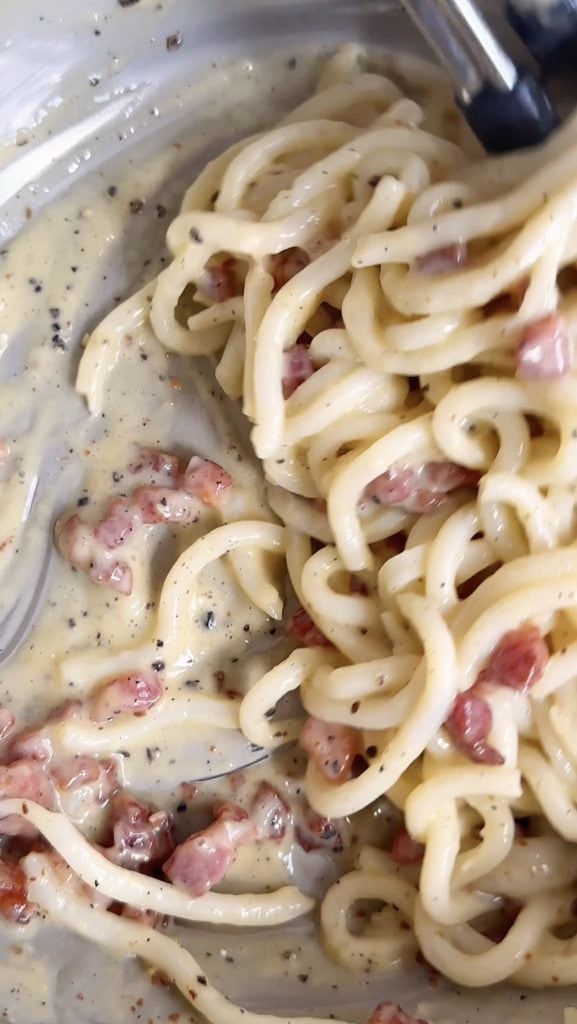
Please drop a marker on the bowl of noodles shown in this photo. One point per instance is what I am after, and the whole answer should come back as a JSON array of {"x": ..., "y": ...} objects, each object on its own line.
[{"x": 289, "y": 582}]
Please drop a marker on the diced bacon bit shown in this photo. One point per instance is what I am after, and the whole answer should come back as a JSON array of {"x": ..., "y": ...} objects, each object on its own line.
[
  {"x": 164, "y": 464},
  {"x": 286, "y": 265},
  {"x": 36, "y": 744},
  {"x": 14, "y": 905},
  {"x": 203, "y": 859},
  {"x": 78, "y": 545},
  {"x": 121, "y": 520},
  {"x": 519, "y": 659},
  {"x": 155, "y": 504},
  {"x": 116, "y": 575},
  {"x": 443, "y": 477},
  {"x": 443, "y": 260},
  {"x": 469, "y": 724},
  {"x": 75, "y": 542},
  {"x": 544, "y": 350},
  {"x": 221, "y": 280},
  {"x": 79, "y": 771},
  {"x": 302, "y": 628},
  {"x": 127, "y": 695},
  {"x": 391, "y": 1013},
  {"x": 206, "y": 480},
  {"x": 406, "y": 850},
  {"x": 87, "y": 547},
  {"x": 421, "y": 488},
  {"x": 396, "y": 486},
  {"x": 31, "y": 743},
  {"x": 298, "y": 367},
  {"x": 270, "y": 814},
  {"x": 332, "y": 747},
  {"x": 7, "y": 723},
  {"x": 139, "y": 837},
  {"x": 319, "y": 833},
  {"x": 28, "y": 781},
  {"x": 20, "y": 832}
]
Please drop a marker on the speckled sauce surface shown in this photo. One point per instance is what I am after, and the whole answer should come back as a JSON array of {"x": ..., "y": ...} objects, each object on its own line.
[{"x": 107, "y": 114}]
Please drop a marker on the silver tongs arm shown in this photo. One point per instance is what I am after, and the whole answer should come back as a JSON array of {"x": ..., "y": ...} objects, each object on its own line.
[{"x": 504, "y": 105}]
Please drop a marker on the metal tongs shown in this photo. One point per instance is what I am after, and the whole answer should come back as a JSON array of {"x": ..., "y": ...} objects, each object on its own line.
[{"x": 505, "y": 105}]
